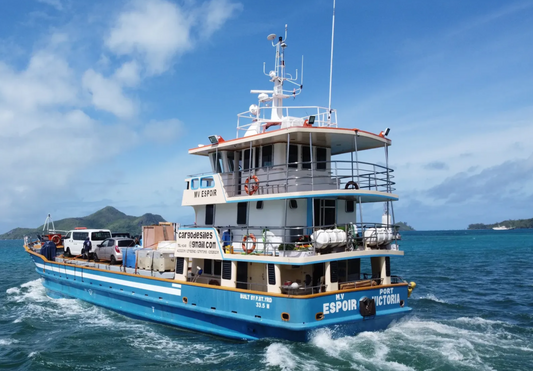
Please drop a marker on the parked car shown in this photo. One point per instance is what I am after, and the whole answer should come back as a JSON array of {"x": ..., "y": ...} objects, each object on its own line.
[
  {"x": 73, "y": 240},
  {"x": 121, "y": 234},
  {"x": 111, "y": 249}
]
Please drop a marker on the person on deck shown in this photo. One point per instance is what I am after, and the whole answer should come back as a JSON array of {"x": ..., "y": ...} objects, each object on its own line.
[{"x": 87, "y": 245}]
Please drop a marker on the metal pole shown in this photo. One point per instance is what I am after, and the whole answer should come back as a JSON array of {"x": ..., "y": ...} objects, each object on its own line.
[
  {"x": 287, "y": 163},
  {"x": 331, "y": 63},
  {"x": 312, "y": 171}
]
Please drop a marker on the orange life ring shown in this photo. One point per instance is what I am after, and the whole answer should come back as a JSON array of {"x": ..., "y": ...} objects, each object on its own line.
[
  {"x": 244, "y": 242},
  {"x": 253, "y": 187},
  {"x": 56, "y": 239}
]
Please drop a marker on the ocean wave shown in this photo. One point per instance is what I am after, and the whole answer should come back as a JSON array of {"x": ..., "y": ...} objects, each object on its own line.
[
  {"x": 435, "y": 344},
  {"x": 431, "y": 297}
]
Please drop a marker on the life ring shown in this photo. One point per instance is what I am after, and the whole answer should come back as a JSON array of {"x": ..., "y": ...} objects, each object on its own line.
[
  {"x": 253, "y": 187},
  {"x": 351, "y": 185},
  {"x": 56, "y": 239},
  {"x": 245, "y": 241}
]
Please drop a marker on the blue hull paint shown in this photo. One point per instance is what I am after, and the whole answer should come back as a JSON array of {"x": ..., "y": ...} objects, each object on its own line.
[{"x": 233, "y": 314}]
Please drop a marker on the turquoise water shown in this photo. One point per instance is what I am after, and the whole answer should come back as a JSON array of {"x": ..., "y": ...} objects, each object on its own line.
[{"x": 473, "y": 310}]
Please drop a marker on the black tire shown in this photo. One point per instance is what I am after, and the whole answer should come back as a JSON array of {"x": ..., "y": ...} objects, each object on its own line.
[
  {"x": 95, "y": 257},
  {"x": 67, "y": 253},
  {"x": 112, "y": 260}
]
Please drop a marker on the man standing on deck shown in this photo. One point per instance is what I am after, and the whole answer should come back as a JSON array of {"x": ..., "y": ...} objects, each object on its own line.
[{"x": 87, "y": 245}]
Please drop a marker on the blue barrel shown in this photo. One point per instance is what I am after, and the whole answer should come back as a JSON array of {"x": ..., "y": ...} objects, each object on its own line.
[{"x": 128, "y": 256}]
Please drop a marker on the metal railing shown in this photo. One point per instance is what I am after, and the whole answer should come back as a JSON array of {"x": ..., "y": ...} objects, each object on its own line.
[
  {"x": 309, "y": 176},
  {"x": 290, "y": 116},
  {"x": 295, "y": 241}
]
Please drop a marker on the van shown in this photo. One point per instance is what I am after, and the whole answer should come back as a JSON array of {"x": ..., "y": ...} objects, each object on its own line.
[{"x": 73, "y": 240}]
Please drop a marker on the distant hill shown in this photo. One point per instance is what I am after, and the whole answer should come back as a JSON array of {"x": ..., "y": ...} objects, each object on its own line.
[
  {"x": 519, "y": 223},
  {"x": 107, "y": 218},
  {"x": 404, "y": 226}
]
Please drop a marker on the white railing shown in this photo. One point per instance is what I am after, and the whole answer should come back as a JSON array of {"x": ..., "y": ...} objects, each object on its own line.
[{"x": 291, "y": 116}]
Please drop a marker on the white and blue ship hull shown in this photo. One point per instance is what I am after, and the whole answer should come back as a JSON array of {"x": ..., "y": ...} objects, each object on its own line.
[{"x": 233, "y": 313}]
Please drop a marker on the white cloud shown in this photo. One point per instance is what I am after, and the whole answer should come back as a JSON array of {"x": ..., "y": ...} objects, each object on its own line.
[
  {"x": 154, "y": 30},
  {"x": 128, "y": 74},
  {"x": 107, "y": 94},
  {"x": 215, "y": 13},
  {"x": 47, "y": 81}
]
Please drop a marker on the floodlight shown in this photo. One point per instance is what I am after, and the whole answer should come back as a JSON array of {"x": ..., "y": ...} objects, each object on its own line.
[
  {"x": 311, "y": 120},
  {"x": 213, "y": 139},
  {"x": 387, "y": 131}
]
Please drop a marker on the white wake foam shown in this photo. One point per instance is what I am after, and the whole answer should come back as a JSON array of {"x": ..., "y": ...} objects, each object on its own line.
[{"x": 409, "y": 344}]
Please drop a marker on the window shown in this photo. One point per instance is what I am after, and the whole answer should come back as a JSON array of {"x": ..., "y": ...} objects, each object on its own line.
[
  {"x": 293, "y": 156},
  {"x": 209, "y": 214},
  {"x": 350, "y": 206},
  {"x": 67, "y": 236},
  {"x": 231, "y": 160},
  {"x": 306, "y": 157},
  {"x": 207, "y": 182},
  {"x": 242, "y": 208},
  {"x": 80, "y": 236},
  {"x": 126, "y": 243},
  {"x": 324, "y": 212},
  {"x": 267, "y": 159},
  {"x": 195, "y": 183},
  {"x": 218, "y": 268},
  {"x": 208, "y": 266},
  {"x": 246, "y": 159},
  {"x": 259, "y": 205},
  {"x": 101, "y": 235},
  {"x": 321, "y": 157},
  {"x": 293, "y": 204}
]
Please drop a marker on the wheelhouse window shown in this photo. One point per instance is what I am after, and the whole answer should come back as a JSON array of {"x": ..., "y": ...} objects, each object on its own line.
[
  {"x": 209, "y": 214},
  {"x": 293, "y": 156},
  {"x": 306, "y": 157},
  {"x": 242, "y": 208},
  {"x": 266, "y": 155},
  {"x": 321, "y": 157}
]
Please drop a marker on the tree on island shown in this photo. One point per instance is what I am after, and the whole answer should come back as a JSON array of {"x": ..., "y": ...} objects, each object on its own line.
[{"x": 404, "y": 226}]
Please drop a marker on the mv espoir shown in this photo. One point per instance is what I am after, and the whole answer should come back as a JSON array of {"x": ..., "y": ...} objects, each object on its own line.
[{"x": 281, "y": 245}]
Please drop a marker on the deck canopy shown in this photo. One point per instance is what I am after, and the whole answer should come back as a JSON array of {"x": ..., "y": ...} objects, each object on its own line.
[{"x": 340, "y": 140}]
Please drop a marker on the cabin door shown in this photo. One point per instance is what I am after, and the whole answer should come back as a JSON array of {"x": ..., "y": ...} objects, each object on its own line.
[
  {"x": 325, "y": 213},
  {"x": 242, "y": 275}
]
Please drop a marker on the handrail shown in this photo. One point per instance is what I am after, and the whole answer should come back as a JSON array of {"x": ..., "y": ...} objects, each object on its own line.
[
  {"x": 315, "y": 175},
  {"x": 277, "y": 240}
]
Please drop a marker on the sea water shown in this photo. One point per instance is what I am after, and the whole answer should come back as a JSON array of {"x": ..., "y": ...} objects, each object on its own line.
[{"x": 472, "y": 310}]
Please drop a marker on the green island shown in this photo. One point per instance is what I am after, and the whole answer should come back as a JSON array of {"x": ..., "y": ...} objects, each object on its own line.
[
  {"x": 518, "y": 224},
  {"x": 404, "y": 226},
  {"x": 107, "y": 218}
]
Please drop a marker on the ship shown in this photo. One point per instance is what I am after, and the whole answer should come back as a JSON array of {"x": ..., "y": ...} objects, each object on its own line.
[
  {"x": 502, "y": 228},
  {"x": 284, "y": 243}
]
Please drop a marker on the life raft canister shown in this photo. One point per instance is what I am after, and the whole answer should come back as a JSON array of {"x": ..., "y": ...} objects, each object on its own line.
[
  {"x": 251, "y": 188},
  {"x": 245, "y": 242}
]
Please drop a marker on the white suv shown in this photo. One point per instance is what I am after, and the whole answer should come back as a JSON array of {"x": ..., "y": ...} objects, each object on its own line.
[{"x": 73, "y": 240}]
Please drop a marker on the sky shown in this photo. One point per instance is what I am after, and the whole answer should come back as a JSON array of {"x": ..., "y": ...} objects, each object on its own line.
[{"x": 100, "y": 100}]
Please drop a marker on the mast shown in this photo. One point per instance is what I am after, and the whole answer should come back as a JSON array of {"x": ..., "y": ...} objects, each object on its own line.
[{"x": 331, "y": 63}]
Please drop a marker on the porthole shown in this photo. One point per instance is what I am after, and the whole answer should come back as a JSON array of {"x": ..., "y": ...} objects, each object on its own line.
[
  {"x": 402, "y": 303},
  {"x": 285, "y": 316},
  {"x": 185, "y": 300},
  {"x": 319, "y": 316}
]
